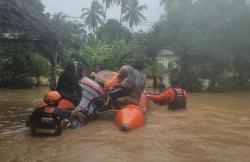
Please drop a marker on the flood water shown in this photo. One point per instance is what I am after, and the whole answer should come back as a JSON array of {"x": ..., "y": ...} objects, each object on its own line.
[{"x": 216, "y": 128}]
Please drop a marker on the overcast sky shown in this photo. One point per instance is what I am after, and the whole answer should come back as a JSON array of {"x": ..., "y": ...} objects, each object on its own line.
[{"x": 73, "y": 8}]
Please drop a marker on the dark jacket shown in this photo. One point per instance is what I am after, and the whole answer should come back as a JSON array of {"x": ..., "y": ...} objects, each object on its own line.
[{"x": 68, "y": 87}]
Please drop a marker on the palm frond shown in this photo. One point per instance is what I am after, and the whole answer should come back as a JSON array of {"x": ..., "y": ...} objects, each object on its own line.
[
  {"x": 142, "y": 7},
  {"x": 85, "y": 9},
  {"x": 93, "y": 15},
  {"x": 141, "y": 16},
  {"x": 133, "y": 13},
  {"x": 84, "y": 14}
]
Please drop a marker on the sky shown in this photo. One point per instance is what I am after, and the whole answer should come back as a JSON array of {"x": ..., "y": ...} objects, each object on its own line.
[{"x": 74, "y": 7}]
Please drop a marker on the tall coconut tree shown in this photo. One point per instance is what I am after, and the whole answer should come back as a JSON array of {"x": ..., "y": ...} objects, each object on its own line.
[
  {"x": 123, "y": 4},
  {"x": 167, "y": 3},
  {"x": 133, "y": 13},
  {"x": 108, "y": 4},
  {"x": 93, "y": 16}
]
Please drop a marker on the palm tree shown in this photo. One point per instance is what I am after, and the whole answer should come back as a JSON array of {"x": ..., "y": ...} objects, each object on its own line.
[
  {"x": 93, "y": 16},
  {"x": 133, "y": 13},
  {"x": 59, "y": 19},
  {"x": 123, "y": 4},
  {"x": 108, "y": 4},
  {"x": 167, "y": 3}
]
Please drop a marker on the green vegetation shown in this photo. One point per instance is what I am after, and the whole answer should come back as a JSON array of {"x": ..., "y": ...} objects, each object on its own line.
[
  {"x": 19, "y": 64},
  {"x": 113, "y": 31},
  {"x": 210, "y": 37}
]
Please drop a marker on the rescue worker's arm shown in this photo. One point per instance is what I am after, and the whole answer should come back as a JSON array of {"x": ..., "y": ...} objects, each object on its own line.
[
  {"x": 41, "y": 104},
  {"x": 185, "y": 93},
  {"x": 63, "y": 113},
  {"x": 93, "y": 75},
  {"x": 164, "y": 97},
  {"x": 66, "y": 114},
  {"x": 123, "y": 78},
  {"x": 123, "y": 73}
]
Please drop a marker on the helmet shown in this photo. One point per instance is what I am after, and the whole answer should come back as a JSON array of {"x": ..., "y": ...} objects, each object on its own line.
[
  {"x": 139, "y": 65},
  {"x": 52, "y": 98}
]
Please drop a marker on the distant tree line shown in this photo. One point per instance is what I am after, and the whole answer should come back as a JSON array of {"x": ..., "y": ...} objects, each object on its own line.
[{"x": 210, "y": 37}]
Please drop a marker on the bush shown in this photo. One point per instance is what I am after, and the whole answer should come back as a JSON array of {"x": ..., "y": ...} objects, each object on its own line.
[
  {"x": 221, "y": 84},
  {"x": 21, "y": 82}
]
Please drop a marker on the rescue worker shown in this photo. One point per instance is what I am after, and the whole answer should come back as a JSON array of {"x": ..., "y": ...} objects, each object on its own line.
[
  {"x": 96, "y": 69},
  {"x": 155, "y": 84},
  {"x": 161, "y": 86},
  {"x": 131, "y": 84},
  {"x": 68, "y": 86},
  {"x": 82, "y": 71},
  {"x": 174, "y": 97},
  {"x": 76, "y": 116},
  {"x": 51, "y": 101}
]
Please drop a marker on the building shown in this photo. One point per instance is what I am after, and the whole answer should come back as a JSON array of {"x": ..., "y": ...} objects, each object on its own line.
[{"x": 167, "y": 58}]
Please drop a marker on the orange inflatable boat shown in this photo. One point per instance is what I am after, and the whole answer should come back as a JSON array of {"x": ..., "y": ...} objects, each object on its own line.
[{"x": 130, "y": 116}]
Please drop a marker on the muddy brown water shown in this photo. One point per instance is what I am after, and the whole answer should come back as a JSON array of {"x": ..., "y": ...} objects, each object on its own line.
[{"x": 216, "y": 128}]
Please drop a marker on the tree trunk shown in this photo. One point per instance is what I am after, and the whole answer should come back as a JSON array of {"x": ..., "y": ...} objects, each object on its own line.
[
  {"x": 121, "y": 15},
  {"x": 53, "y": 71},
  {"x": 105, "y": 15},
  {"x": 38, "y": 81},
  {"x": 155, "y": 67},
  {"x": 94, "y": 32},
  {"x": 132, "y": 30}
]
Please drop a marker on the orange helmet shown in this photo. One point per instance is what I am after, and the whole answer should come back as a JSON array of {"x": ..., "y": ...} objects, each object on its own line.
[{"x": 52, "y": 98}]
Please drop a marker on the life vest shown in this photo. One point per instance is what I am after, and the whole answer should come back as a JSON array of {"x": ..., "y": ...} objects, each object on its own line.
[
  {"x": 65, "y": 104},
  {"x": 179, "y": 101},
  {"x": 111, "y": 81},
  {"x": 44, "y": 120},
  {"x": 45, "y": 108}
]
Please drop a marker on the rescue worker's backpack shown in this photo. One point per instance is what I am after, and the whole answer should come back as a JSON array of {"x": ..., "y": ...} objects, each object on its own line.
[
  {"x": 44, "y": 119},
  {"x": 179, "y": 101},
  {"x": 42, "y": 122}
]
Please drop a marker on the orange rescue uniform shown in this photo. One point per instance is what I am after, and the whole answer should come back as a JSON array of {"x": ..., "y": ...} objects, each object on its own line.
[{"x": 167, "y": 97}]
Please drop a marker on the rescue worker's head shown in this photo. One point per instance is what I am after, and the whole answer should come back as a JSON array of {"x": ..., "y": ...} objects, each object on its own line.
[
  {"x": 174, "y": 83},
  {"x": 52, "y": 98},
  {"x": 139, "y": 65},
  {"x": 70, "y": 67},
  {"x": 96, "y": 68}
]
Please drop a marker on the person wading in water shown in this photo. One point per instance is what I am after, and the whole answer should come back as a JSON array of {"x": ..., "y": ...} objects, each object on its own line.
[{"x": 175, "y": 97}]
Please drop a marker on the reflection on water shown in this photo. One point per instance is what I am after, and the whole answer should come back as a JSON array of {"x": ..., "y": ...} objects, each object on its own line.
[
  {"x": 216, "y": 127},
  {"x": 15, "y": 105}
]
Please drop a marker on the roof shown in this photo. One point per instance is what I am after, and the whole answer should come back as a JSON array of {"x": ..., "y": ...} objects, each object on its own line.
[
  {"x": 166, "y": 52},
  {"x": 26, "y": 17}
]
